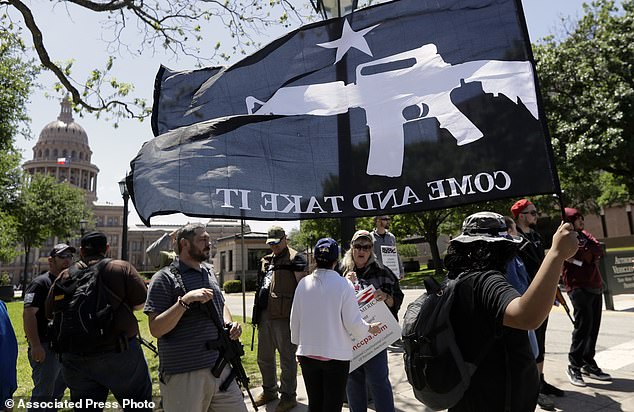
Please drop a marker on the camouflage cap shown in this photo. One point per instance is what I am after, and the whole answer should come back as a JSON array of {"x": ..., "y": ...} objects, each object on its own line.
[
  {"x": 275, "y": 235},
  {"x": 485, "y": 226}
]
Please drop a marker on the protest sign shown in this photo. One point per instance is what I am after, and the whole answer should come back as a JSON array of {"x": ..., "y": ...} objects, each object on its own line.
[
  {"x": 373, "y": 311},
  {"x": 389, "y": 258}
]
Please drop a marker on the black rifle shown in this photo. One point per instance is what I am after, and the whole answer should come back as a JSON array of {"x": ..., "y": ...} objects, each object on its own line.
[
  {"x": 257, "y": 303},
  {"x": 230, "y": 353},
  {"x": 148, "y": 345},
  {"x": 229, "y": 350}
]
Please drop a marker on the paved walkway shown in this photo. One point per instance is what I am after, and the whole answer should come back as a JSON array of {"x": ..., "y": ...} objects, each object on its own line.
[{"x": 597, "y": 396}]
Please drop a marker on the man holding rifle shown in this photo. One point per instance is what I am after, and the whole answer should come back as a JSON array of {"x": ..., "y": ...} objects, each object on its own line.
[
  {"x": 280, "y": 272},
  {"x": 584, "y": 286},
  {"x": 184, "y": 308}
]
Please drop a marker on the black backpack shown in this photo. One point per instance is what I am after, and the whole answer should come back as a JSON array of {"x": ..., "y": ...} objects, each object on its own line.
[
  {"x": 433, "y": 361},
  {"x": 82, "y": 315}
]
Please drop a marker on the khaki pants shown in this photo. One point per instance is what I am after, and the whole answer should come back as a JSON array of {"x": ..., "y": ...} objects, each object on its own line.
[
  {"x": 276, "y": 335},
  {"x": 197, "y": 391}
]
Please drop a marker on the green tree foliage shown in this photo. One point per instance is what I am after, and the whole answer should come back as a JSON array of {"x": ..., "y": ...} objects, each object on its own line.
[
  {"x": 8, "y": 235},
  {"x": 16, "y": 79},
  {"x": 310, "y": 231},
  {"x": 426, "y": 224},
  {"x": 587, "y": 82},
  {"x": 45, "y": 209}
]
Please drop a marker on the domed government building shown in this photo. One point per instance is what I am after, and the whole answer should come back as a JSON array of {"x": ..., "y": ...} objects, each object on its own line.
[{"x": 63, "y": 151}]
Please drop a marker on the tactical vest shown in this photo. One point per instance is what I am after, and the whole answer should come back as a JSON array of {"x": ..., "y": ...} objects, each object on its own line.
[{"x": 283, "y": 285}]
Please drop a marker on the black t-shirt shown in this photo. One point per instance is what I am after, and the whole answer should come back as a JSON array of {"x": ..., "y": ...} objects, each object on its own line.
[
  {"x": 478, "y": 315},
  {"x": 531, "y": 252},
  {"x": 35, "y": 297}
]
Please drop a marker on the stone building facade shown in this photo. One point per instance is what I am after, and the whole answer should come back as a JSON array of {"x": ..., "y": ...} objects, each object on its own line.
[{"x": 63, "y": 151}]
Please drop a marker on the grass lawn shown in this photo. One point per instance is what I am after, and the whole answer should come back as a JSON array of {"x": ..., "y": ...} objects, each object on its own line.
[
  {"x": 621, "y": 249},
  {"x": 415, "y": 279},
  {"x": 25, "y": 384}
]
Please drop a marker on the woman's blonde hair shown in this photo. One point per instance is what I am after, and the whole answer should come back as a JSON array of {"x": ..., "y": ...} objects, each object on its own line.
[{"x": 347, "y": 264}]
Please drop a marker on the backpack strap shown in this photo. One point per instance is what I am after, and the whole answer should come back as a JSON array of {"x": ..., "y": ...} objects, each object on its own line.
[{"x": 102, "y": 286}]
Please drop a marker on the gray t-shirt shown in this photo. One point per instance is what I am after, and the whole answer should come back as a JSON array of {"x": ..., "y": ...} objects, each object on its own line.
[{"x": 185, "y": 348}]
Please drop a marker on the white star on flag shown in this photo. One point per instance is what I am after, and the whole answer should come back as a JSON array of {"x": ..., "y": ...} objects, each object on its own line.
[{"x": 349, "y": 38}]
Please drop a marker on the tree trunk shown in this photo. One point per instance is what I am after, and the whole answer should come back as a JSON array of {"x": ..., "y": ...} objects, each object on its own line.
[
  {"x": 435, "y": 253},
  {"x": 27, "y": 252}
]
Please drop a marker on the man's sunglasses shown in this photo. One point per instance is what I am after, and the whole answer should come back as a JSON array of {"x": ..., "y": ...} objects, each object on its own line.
[
  {"x": 65, "y": 256},
  {"x": 362, "y": 247}
]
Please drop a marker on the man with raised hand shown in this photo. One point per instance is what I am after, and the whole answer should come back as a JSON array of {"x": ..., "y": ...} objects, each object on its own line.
[
  {"x": 182, "y": 300},
  {"x": 490, "y": 318}
]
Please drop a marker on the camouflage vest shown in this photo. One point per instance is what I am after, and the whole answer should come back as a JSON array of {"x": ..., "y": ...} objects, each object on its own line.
[{"x": 283, "y": 284}]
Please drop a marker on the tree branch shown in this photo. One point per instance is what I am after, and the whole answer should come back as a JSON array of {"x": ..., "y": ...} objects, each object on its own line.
[{"x": 40, "y": 48}]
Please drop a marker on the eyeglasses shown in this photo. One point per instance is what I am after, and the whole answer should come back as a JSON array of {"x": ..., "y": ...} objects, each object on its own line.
[
  {"x": 65, "y": 256},
  {"x": 362, "y": 247},
  {"x": 385, "y": 219},
  {"x": 532, "y": 213}
]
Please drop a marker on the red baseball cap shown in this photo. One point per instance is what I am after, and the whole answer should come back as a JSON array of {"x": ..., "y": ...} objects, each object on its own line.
[
  {"x": 572, "y": 214},
  {"x": 520, "y": 205}
]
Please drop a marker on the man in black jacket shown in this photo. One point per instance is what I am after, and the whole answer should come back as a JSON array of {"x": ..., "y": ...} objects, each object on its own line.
[{"x": 532, "y": 254}]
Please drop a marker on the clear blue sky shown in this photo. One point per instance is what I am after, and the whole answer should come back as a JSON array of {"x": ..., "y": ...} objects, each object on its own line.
[{"x": 76, "y": 38}]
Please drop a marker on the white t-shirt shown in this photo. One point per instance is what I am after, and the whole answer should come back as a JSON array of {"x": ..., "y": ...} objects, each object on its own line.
[{"x": 324, "y": 310}]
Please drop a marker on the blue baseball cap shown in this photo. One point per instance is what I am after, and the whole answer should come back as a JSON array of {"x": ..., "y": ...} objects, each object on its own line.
[{"x": 326, "y": 250}]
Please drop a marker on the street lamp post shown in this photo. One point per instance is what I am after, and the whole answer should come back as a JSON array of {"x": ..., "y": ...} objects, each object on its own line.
[
  {"x": 334, "y": 8},
  {"x": 329, "y": 9},
  {"x": 82, "y": 227},
  {"x": 123, "y": 188}
]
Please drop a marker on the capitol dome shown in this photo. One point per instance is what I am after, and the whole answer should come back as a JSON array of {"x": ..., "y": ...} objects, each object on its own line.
[{"x": 62, "y": 150}]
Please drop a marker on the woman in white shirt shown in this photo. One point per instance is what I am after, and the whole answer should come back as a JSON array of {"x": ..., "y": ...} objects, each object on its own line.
[{"x": 324, "y": 314}]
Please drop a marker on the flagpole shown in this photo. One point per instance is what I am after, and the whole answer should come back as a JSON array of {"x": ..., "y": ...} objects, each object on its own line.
[
  {"x": 244, "y": 279},
  {"x": 346, "y": 224}
]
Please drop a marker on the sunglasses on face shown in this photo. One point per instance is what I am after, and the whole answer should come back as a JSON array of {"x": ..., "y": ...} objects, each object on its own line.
[
  {"x": 385, "y": 219},
  {"x": 65, "y": 256},
  {"x": 532, "y": 213},
  {"x": 362, "y": 247}
]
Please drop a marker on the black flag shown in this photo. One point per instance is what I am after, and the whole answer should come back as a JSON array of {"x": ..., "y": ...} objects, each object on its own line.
[{"x": 440, "y": 107}]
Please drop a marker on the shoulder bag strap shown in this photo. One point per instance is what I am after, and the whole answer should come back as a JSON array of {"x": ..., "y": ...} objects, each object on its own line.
[{"x": 213, "y": 313}]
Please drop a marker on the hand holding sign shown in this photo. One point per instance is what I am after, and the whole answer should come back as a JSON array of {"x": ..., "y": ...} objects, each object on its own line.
[{"x": 374, "y": 328}]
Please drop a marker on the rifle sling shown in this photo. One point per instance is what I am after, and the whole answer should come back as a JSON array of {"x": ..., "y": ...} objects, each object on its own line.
[{"x": 213, "y": 314}]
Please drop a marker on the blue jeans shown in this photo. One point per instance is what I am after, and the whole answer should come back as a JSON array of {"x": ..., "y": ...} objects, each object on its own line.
[
  {"x": 48, "y": 382},
  {"x": 125, "y": 374},
  {"x": 376, "y": 373}
]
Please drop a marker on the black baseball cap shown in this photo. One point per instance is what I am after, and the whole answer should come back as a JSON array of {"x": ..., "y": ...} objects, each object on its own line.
[{"x": 95, "y": 241}]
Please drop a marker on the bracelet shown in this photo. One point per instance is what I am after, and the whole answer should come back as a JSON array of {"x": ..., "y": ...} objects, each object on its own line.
[{"x": 182, "y": 303}]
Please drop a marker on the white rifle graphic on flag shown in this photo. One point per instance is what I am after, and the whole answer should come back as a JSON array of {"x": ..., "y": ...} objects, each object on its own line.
[{"x": 385, "y": 87}]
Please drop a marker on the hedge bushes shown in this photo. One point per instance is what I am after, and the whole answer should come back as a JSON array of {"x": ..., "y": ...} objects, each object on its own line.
[{"x": 235, "y": 286}]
